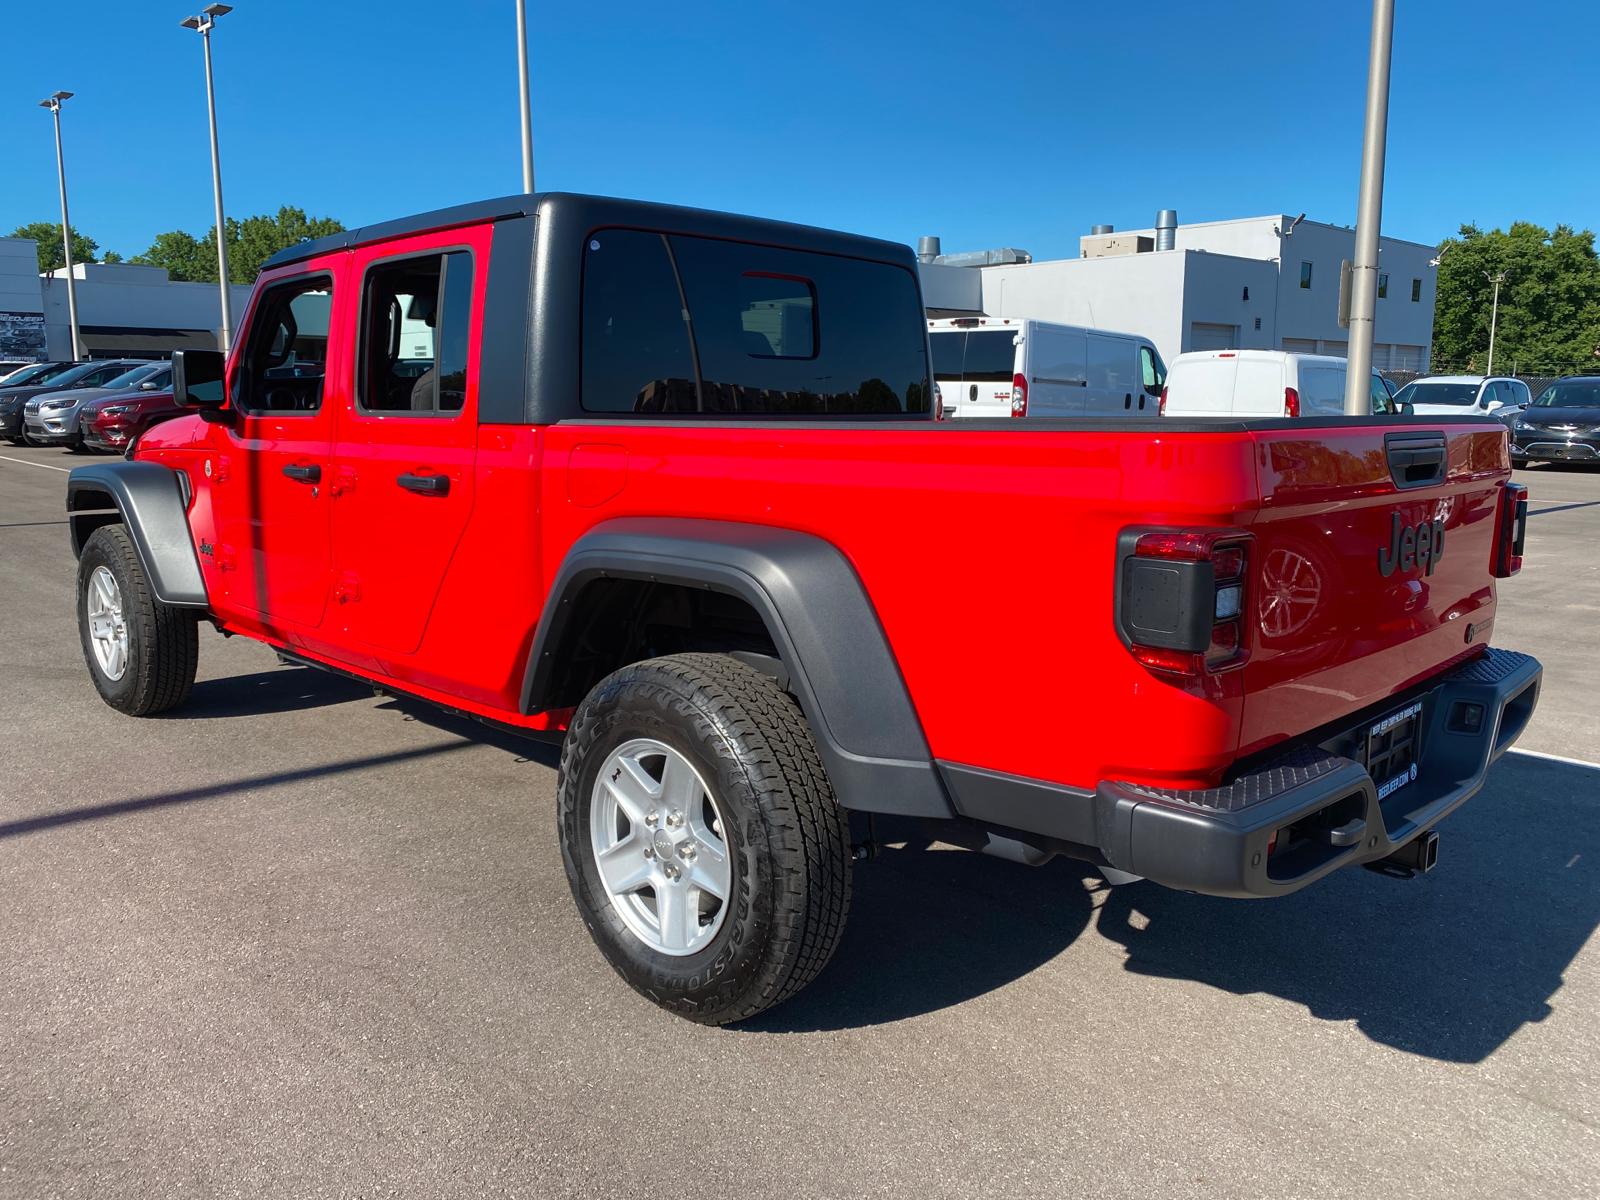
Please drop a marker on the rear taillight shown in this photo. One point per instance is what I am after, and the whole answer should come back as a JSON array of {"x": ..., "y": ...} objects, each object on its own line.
[
  {"x": 1161, "y": 409},
  {"x": 1511, "y": 527},
  {"x": 1019, "y": 396},
  {"x": 1291, "y": 402},
  {"x": 1181, "y": 598}
]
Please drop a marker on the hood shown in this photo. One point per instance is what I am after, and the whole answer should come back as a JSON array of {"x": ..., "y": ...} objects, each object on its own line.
[
  {"x": 159, "y": 399},
  {"x": 74, "y": 396},
  {"x": 1445, "y": 410},
  {"x": 1546, "y": 418}
]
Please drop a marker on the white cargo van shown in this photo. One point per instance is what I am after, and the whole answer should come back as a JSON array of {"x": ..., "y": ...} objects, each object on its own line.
[
  {"x": 1262, "y": 383},
  {"x": 1016, "y": 367}
]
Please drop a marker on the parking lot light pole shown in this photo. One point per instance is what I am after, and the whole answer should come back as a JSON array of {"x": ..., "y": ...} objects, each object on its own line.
[
  {"x": 1494, "y": 314},
  {"x": 1369, "y": 214},
  {"x": 54, "y": 105},
  {"x": 527, "y": 101},
  {"x": 203, "y": 23}
]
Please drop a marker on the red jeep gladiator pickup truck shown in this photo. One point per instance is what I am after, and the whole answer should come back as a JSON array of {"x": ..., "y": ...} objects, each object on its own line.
[{"x": 669, "y": 483}]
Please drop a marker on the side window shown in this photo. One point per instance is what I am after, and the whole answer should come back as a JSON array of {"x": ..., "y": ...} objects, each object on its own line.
[
  {"x": 1383, "y": 286},
  {"x": 1491, "y": 393},
  {"x": 682, "y": 325},
  {"x": 1305, "y": 275},
  {"x": 1416, "y": 291},
  {"x": 636, "y": 355},
  {"x": 1382, "y": 401},
  {"x": 1152, "y": 373},
  {"x": 416, "y": 319},
  {"x": 855, "y": 342},
  {"x": 1522, "y": 395},
  {"x": 287, "y": 350}
]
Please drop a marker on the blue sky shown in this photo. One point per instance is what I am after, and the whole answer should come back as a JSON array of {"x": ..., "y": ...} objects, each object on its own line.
[{"x": 990, "y": 124}]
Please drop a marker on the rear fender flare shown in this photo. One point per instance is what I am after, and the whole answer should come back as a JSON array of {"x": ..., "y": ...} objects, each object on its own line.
[
  {"x": 152, "y": 502},
  {"x": 833, "y": 648}
]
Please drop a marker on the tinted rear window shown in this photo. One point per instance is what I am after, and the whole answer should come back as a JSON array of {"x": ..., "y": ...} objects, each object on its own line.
[
  {"x": 697, "y": 325},
  {"x": 991, "y": 356}
]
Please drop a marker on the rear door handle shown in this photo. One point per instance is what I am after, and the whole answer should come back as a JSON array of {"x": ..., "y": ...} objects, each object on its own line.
[
  {"x": 302, "y": 473},
  {"x": 425, "y": 485}
]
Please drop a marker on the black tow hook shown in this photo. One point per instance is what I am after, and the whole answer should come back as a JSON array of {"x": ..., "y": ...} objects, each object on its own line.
[{"x": 1416, "y": 857}]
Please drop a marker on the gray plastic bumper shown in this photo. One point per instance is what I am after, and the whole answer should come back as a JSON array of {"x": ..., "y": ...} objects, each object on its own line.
[{"x": 1216, "y": 840}]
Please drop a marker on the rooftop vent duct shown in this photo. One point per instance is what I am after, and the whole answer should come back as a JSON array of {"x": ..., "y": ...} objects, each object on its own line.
[
  {"x": 1166, "y": 229},
  {"x": 927, "y": 249},
  {"x": 1098, "y": 230},
  {"x": 1003, "y": 256}
]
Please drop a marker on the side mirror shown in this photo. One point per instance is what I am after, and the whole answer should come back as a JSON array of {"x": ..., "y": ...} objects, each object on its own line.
[
  {"x": 198, "y": 378},
  {"x": 1406, "y": 410},
  {"x": 147, "y": 386},
  {"x": 1493, "y": 405}
]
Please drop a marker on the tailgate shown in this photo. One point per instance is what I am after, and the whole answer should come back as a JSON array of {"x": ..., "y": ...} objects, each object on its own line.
[{"x": 1356, "y": 596}]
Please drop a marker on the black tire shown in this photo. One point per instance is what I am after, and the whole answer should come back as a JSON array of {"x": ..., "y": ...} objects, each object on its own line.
[
  {"x": 163, "y": 642},
  {"x": 788, "y": 840}
]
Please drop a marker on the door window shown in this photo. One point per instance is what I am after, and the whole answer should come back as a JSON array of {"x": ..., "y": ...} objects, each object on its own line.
[
  {"x": 1152, "y": 371},
  {"x": 416, "y": 319},
  {"x": 1382, "y": 400},
  {"x": 286, "y": 355}
]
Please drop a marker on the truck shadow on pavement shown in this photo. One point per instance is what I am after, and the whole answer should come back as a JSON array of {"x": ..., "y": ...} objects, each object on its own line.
[
  {"x": 1449, "y": 966},
  {"x": 286, "y": 689}
]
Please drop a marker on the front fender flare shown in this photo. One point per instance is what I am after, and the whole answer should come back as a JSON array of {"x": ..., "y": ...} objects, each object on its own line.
[
  {"x": 841, "y": 668},
  {"x": 153, "y": 506}
]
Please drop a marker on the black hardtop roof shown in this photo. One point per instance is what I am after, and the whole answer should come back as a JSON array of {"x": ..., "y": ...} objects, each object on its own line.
[{"x": 597, "y": 211}]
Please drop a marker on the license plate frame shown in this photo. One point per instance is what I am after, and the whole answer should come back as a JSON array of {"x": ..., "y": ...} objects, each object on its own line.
[{"x": 1394, "y": 748}]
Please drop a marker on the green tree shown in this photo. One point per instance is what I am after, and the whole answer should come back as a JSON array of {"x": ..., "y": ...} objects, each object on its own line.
[
  {"x": 183, "y": 255},
  {"x": 47, "y": 235},
  {"x": 1549, "y": 303},
  {"x": 251, "y": 242}
]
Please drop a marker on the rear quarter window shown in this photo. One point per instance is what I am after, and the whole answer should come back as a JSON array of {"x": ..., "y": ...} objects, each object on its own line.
[{"x": 701, "y": 326}]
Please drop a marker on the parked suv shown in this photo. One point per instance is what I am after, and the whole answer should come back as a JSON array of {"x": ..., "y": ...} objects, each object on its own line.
[
  {"x": 18, "y": 386},
  {"x": 672, "y": 489},
  {"x": 14, "y": 400},
  {"x": 52, "y": 419},
  {"x": 113, "y": 423},
  {"x": 1464, "y": 395},
  {"x": 1561, "y": 425}
]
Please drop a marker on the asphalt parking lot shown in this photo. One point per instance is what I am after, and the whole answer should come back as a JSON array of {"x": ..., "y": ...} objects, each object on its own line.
[{"x": 297, "y": 940}]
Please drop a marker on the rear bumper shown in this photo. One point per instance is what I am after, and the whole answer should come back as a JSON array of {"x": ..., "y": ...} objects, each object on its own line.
[{"x": 1321, "y": 804}]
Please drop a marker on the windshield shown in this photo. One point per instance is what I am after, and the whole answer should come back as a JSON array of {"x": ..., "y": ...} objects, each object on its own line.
[
  {"x": 128, "y": 378},
  {"x": 1570, "y": 395},
  {"x": 37, "y": 373},
  {"x": 1438, "y": 393}
]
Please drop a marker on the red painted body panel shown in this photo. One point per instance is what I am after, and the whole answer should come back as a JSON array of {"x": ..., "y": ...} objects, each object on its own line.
[{"x": 990, "y": 556}]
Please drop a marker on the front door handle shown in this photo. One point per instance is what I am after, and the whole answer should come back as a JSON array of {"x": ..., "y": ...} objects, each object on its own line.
[
  {"x": 304, "y": 473},
  {"x": 425, "y": 485}
]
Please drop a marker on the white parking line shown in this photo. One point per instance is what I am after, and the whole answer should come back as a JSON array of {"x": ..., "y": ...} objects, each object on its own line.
[
  {"x": 43, "y": 466},
  {"x": 1560, "y": 758}
]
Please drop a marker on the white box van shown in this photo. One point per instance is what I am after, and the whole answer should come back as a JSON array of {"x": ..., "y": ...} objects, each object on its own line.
[
  {"x": 1016, "y": 367},
  {"x": 1262, "y": 383}
]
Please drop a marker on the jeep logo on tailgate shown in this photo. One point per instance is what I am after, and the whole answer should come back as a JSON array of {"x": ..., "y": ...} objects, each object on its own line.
[{"x": 1411, "y": 545}]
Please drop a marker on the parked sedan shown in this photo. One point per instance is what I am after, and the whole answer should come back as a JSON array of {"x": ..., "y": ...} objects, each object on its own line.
[
  {"x": 13, "y": 397},
  {"x": 52, "y": 419},
  {"x": 1562, "y": 425},
  {"x": 112, "y": 424},
  {"x": 1464, "y": 395}
]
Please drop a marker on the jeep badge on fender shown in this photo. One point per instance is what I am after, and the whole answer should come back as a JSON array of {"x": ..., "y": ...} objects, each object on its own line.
[{"x": 1410, "y": 545}]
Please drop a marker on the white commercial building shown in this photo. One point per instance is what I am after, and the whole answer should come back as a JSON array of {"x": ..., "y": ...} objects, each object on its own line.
[
  {"x": 123, "y": 309},
  {"x": 1267, "y": 283}
]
